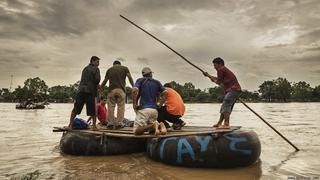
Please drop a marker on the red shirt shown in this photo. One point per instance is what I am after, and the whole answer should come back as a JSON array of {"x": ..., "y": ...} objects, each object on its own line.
[
  {"x": 227, "y": 79},
  {"x": 102, "y": 113}
]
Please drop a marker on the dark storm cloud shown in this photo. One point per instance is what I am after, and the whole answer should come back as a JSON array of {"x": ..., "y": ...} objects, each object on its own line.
[
  {"x": 43, "y": 19},
  {"x": 312, "y": 60},
  {"x": 309, "y": 37},
  {"x": 15, "y": 4},
  {"x": 313, "y": 49},
  {"x": 317, "y": 71},
  {"x": 276, "y": 46},
  {"x": 189, "y": 5},
  {"x": 143, "y": 60},
  {"x": 167, "y": 11}
]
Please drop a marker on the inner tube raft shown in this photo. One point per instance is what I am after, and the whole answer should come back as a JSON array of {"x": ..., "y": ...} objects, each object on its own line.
[
  {"x": 33, "y": 106},
  {"x": 82, "y": 143},
  {"x": 223, "y": 150}
]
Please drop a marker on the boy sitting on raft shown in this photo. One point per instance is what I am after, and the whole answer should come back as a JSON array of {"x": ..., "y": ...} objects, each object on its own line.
[{"x": 102, "y": 111}]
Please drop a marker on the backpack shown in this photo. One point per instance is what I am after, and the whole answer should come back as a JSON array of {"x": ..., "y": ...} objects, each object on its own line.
[{"x": 79, "y": 123}]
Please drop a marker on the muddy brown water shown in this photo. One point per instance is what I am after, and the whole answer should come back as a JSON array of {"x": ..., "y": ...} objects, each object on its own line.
[{"x": 29, "y": 148}]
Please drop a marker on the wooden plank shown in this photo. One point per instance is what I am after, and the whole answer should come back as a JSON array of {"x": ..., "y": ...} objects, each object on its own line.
[
  {"x": 129, "y": 130},
  {"x": 152, "y": 136},
  {"x": 185, "y": 128},
  {"x": 115, "y": 133}
]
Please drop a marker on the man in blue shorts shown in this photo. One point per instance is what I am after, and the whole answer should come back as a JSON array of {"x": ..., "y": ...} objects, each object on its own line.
[
  {"x": 232, "y": 90},
  {"x": 148, "y": 90},
  {"x": 87, "y": 91}
]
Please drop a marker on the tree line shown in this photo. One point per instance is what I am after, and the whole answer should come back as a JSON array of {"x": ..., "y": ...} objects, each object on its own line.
[{"x": 277, "y": 90}]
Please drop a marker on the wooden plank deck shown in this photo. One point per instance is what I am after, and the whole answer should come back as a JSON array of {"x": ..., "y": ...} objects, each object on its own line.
[{"x": 127, "y": 132}]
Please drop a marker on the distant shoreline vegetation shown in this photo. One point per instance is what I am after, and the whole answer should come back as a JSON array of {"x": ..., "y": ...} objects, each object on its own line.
[{"x": 278, "y": 90}]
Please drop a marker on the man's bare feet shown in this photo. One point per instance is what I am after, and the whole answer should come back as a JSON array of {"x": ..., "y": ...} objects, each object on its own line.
[
  {"x": 156, "y": 128},
  {"x": 224, "y": 127},
  {"x": 163, "y": 129},
  {"x": 94, "y": 128},
  {"x": 216, "y": 125}
]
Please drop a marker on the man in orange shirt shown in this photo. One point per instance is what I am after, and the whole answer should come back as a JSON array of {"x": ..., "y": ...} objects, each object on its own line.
[{"x": 173, "y": 109}]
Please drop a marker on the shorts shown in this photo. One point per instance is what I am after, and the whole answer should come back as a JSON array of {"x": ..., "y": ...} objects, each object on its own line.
[
  {"x": 229, "y": 100},
  {"x": 145, "y": 117},
  {"x": 85, "y": 98}
]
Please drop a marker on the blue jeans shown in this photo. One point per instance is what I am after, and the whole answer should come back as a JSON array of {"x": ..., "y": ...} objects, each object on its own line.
[{"x": 229, "y": 100}]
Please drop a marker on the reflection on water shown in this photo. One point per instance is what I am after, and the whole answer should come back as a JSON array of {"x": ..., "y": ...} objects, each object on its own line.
[{"x": 29, "y": 148}]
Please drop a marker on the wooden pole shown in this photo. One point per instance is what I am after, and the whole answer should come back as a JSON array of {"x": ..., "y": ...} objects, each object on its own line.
[
  {"x": 297, "y": 149},
  {"x": 163, "y": 43},
  {"x": 203, "y": 72}
]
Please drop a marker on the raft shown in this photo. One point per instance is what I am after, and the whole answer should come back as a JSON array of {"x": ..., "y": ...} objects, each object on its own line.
[
  {"x": 192, "y": 146},
  {"x": 32, "y": 106},
  {"x": 218, "y": 150}
]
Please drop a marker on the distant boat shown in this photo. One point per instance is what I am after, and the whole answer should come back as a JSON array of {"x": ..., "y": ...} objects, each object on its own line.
[{"x": 30, "y": 106}]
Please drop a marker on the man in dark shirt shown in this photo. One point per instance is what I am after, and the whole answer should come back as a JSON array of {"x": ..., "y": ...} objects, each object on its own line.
[
  {"x": 148, "y": 90},
  {"x": 232, "y": 90},
  {"x": 87, "y": 91},
  {"x": 116, "y": 75}
]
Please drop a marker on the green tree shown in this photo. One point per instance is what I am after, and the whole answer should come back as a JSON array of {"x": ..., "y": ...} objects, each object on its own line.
[
  {"x": 37, "y": 88},
  {"x": 267, "y": 90},
  {"x": 177, "y": 87},
  {"x": 249, "y": 96},
  {"x": 316, "y": 93},
  {"x": 74, "y": 89},
  {"x": 283, "y": 89},
  {"x": 301, "y": 91},
  {"x": 21, "y": 93},
  {"x": 203, "y": 97},
  {"x": 216, "y": 93},
  {"x": 6, "y": 95},
  {"x": 189, "y": 92},
  {"x": 59, "y": 93}
]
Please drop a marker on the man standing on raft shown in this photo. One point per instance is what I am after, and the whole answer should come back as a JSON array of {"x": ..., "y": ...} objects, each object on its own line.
[
  {"x": 87, "y": 91},
  {"x": 232, "y": 90},
  {"x": 116, "y": 75}
]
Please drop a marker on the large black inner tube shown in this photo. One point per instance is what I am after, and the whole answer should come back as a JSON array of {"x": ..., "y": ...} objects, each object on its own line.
[
  {"x": 234, "y": 149},
  {"x": 79, "y": 143}
]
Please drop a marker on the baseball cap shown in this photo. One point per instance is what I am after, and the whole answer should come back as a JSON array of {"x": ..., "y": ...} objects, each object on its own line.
[{"x": 146, "y": 70}]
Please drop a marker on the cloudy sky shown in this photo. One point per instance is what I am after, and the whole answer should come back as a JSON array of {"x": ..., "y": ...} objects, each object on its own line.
[{"x": 259, "y": 40}]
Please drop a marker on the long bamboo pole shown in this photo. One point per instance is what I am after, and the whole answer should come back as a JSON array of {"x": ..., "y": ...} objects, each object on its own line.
[
  {"x": 203, "y": 72},
  {"x": 297, "y": 149},
  {"x": 162, "y": 43}
]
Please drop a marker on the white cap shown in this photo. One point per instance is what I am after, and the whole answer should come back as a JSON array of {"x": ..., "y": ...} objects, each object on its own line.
[{"x": 146, "y": 70}]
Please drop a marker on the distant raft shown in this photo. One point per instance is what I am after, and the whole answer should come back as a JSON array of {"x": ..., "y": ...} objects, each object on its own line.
[
  {"x": 223, "y": 150},
  {"x": 99, "y": 144},
  {"x": 31, "y": 106}
]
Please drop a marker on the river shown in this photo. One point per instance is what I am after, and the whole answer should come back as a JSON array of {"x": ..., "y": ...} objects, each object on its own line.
[{"x": 29, "y": 148}]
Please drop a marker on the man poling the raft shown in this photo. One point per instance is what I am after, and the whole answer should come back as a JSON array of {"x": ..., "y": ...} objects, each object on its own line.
[
  {"x": 231, "y": 87},
  {"x": 207, "y": 74}
]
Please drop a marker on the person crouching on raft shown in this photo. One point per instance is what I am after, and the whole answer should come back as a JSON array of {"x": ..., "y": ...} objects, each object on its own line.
[
  {"x": 147, "y": 90},
  {"x": 173, "y": 109},
  {"x": 232, "y": 90}
]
